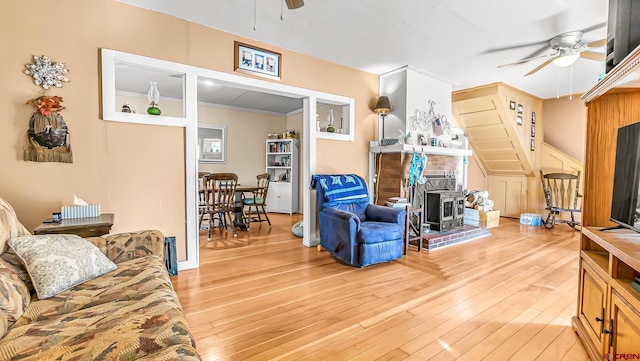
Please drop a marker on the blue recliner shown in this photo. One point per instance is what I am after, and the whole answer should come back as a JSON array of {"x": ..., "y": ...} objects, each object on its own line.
[{"x": 353, "y": 230}]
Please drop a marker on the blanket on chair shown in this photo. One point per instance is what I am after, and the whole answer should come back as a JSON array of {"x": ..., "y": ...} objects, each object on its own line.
[{"x": 340, "y": 186}]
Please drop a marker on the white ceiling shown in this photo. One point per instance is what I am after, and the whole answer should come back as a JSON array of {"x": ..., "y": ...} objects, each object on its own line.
[{"x": 451, "y": 39}]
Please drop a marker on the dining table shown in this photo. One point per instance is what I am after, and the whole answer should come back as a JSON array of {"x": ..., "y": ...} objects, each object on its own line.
[
  {"x": 241, "y": 189},
  {"x": 237, "y": 214}
]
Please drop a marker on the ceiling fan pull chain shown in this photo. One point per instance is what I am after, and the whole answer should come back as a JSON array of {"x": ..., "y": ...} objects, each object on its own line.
[{"x": 255, "y": 27}]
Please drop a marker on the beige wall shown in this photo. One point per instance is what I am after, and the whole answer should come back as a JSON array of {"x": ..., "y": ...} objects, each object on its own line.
[
  {"x": 116, "y": 164},
  {"x": 246, "y": 136},
  {"x": 565, "y": 124}
]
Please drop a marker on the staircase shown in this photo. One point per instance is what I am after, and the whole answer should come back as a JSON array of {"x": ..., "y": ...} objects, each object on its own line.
[{"x": 489, "y": 116}]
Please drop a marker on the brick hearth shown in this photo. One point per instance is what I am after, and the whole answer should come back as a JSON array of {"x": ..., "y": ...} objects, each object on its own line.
[{"x": 434, "y": 240}]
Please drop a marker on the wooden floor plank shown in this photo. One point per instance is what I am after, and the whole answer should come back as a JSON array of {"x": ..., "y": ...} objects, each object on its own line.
[{"x": 264, "y": 296}]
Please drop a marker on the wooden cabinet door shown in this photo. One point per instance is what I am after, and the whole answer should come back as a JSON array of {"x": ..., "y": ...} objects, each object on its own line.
[
  {"x": 509, "y": 194},
  {"x": 626, "y": 328},
  {"x": 592, "y": 304}
]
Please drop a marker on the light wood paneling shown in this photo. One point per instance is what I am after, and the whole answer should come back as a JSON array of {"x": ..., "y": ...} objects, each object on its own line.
[
  {"x": 263, "y": 296},
  {"x": 509, "y": 194},
  {"x": 604, "y": 116},
  {"x": 490, "y": 124}
]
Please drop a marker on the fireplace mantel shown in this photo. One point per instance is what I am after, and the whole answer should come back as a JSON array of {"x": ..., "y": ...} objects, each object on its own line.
[{"x": 375, "y": 147}]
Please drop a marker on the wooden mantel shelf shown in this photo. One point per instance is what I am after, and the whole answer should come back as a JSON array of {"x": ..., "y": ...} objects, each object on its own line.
[{"x": 375, "y": 147}]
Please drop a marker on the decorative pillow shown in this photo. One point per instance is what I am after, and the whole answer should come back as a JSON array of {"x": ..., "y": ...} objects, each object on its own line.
[
  {"x": 297, "y": 228},
  {"x": 14, "y": 295},
  {"x": 4, "y": 324},
  {"x": 57, "y": 262},
  {"x": 9, "y": 225}
]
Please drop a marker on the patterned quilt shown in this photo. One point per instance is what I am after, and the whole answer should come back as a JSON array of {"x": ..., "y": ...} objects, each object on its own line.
[{"x": 130, "y": 313}]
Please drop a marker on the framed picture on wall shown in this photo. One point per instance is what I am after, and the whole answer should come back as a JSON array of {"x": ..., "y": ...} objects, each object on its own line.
[
  {"x": 533, "y": 117},
  {"x": 533, "y": 144},
  {"x": 533, "y": 130},
  {"x": 512, "y": 105},
  {"x": 520, "y": 109},
  {"x": 519, "y": 119},
  {"x": 252, "y": 60}
]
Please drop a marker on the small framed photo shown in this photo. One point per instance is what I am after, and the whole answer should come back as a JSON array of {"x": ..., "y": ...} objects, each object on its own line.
[
  {"x": 533, "y": 130},
  {"x": 520, "y": 109},
  {"x": 252, "y": 60},
  {"x": 512, "y": 105},
  {"x": 519, "y": 119},
  {"x": 533, "y": 117},
  {"x": 533, "y": 144}
]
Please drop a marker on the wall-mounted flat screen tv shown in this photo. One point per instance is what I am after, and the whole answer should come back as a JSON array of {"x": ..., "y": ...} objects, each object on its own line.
[{"x": 625, "y": 209}]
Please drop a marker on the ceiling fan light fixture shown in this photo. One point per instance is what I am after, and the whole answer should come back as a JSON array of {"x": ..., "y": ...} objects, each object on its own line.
[
  {"x": 294, "y": 4},
  {"x": 565, "y": 60}
]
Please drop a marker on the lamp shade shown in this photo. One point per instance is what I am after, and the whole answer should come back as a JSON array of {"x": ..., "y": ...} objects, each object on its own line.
[
  {"x": 382, "y": 106},
  {"x": 294, "y": 4}
]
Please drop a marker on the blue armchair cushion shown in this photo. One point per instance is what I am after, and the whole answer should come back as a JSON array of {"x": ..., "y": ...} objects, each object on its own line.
[
  {"x": 376, "y": 232},
  {"x": 249, "y": 201},
  {"x": 340, "y": 186}
]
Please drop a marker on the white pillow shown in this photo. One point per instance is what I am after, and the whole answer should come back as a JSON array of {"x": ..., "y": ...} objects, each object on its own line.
[{"x": 57, "y": 262}]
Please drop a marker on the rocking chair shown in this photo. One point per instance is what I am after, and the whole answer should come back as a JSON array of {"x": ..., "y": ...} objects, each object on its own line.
[{"x": 561, "y": 194}]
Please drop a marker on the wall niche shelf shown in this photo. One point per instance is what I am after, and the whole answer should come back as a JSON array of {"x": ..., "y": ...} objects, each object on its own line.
[{"x": 125, "y": 80}]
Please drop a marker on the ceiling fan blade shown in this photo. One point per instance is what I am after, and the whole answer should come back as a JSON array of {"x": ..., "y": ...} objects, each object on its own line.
[
  {"x": 591, "y": 55},
  {"x": 594, "y": 27},
  {"x": 521, "y": 61},
  {"x": 518, "y": 46},
  {"x": 547, "y": 62},
  {"x": 294, "y": 4},
  {"x": 597, "y": 43}
]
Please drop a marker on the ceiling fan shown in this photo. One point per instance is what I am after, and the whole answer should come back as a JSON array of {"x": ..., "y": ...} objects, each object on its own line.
[{"x": 565, "y": 48}]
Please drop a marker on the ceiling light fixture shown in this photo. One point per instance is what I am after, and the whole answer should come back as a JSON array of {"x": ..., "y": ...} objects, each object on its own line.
[{"x": 565, "y": 60}]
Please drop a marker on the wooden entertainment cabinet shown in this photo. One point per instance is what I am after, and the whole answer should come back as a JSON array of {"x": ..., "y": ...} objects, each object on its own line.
[
  {"x": 608, "y": 320},
  {"x": 608, "y": 312}
]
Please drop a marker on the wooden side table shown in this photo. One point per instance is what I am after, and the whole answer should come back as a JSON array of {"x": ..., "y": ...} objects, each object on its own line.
[
  {"x": 411, "y": 232},
  {"x": 83, "y": 227}
]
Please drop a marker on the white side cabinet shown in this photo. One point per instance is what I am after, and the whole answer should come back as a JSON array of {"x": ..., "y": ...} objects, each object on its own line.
[{"x": 282, "y": 165}]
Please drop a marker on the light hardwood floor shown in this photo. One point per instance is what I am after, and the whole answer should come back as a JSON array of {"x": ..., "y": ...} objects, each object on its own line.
[{"x": 264, "y": 296}]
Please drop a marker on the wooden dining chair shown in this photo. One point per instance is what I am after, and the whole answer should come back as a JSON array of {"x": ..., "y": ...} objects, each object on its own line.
[
  {"x": 219, "y": 193},
  {"x": 258, "y": 201},
  {"x": 201, "y": 196}
]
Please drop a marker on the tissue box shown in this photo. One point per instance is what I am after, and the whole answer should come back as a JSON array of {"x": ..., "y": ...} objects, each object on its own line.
[
  {"x": 531, "y": 219},
  {"x": 84, "y": 211}
]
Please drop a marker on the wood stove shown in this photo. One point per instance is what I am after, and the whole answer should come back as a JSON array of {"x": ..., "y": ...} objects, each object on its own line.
[
  {"x": 443, "y": 206},
  {"x": 444, "y": 210}
]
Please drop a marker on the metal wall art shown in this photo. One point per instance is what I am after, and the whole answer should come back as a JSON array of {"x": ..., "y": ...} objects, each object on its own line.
[
  {"x": 48, "y": 135},
  {"x": 429, "y": 121}
]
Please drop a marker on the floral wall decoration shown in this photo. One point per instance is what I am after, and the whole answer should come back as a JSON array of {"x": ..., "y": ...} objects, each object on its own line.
[{"x": 48, "y": 135}]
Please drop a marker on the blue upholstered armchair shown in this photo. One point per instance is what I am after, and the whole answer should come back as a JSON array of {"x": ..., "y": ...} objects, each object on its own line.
[{"x": 353, "y": 230}]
